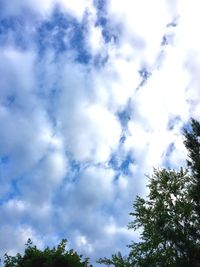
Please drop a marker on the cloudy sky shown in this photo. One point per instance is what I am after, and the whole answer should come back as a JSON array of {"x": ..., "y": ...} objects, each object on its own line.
[{"x": 93, "y": 95}]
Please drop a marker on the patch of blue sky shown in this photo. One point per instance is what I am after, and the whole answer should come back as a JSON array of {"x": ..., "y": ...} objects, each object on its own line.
[
  {"x": 124, "y": 117},
  {"x": 101, "y": 13},
  {"x": 109, "y": 35},
  {"x": 164, "y": 40},
  {"x": 14, "y": 31},
  {"x": 110, "y": 32},
  {"x": 9, "y": 101},
  {"x": 11, "y": 185},
  {"x": 14, "y": 191},
  {"x": 100, "y": 60},
  {"x": 50, "y": 93},
  {"x": 114, "y": 162},
  {"x": 172, "y": 122},
  {"x": 122, "y": 138},
  {"x": 167, "y": 39},
  {"x": 50, "y": 34},
  {"x": 187, "y": 126},
  {"x": 100, "y": 5},
  {"x": 168, "y": 153},
  {"x": 63, "y": 33},
  {"x": 5, "y": 160},
  {"x": 173, "y": 23},
  {"x": 75, "y": 168},
  {"x": 9, "y": 23},
  {"x": 145, "y": 74},
  {"x": 5, "y": 165},
  {"x": 125, "y": 165},
  {"x": 121, "y": 166}
]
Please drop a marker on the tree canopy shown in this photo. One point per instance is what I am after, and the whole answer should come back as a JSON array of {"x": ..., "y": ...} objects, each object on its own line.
[
  {"x": 55, "y": 257},
  {"x": 169, "y": 217}
]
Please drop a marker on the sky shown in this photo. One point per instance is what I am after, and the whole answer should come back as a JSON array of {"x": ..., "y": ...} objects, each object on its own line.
[{"x": 93, "y": 95}]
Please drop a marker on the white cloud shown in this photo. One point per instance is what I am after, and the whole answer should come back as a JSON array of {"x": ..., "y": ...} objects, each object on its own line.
[
  {"x": 142, "y": 23},
  {"x": 83, "y": 244},
  {"x": 95, "y": 40},
  {"x": 80, "y": 112},
  {"x": 92, "y": 184},
  {"x": 19, "y": 141},
  {"x": 54, "y": 166},
  {"x": 77, "y": 8},
  {"x": 13, "y": 238}
]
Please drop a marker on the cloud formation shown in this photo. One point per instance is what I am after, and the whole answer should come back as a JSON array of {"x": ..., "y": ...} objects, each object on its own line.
[{"x": 93, "y": 95}]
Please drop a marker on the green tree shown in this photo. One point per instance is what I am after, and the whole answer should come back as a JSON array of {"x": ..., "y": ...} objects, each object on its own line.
[
  {"x": 55, "y": 257},
  {"x": 169, "y": 217}
]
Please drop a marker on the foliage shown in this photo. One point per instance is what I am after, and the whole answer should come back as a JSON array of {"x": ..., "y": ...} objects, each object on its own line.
[
  {"x": 117, "y": 260},
  {"x": 169, "y": 217},
  {"x": 55, "y": 257}
]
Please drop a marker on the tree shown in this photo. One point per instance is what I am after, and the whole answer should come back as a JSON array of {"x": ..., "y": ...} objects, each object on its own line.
[
  {"x": 55, "y": 257},
  {"x": 192, "y": 143},
  {"x": 169, "y": 217}
]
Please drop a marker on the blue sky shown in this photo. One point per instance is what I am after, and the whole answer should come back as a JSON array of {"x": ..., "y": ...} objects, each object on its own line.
[{"x": 93, "y": 95}]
